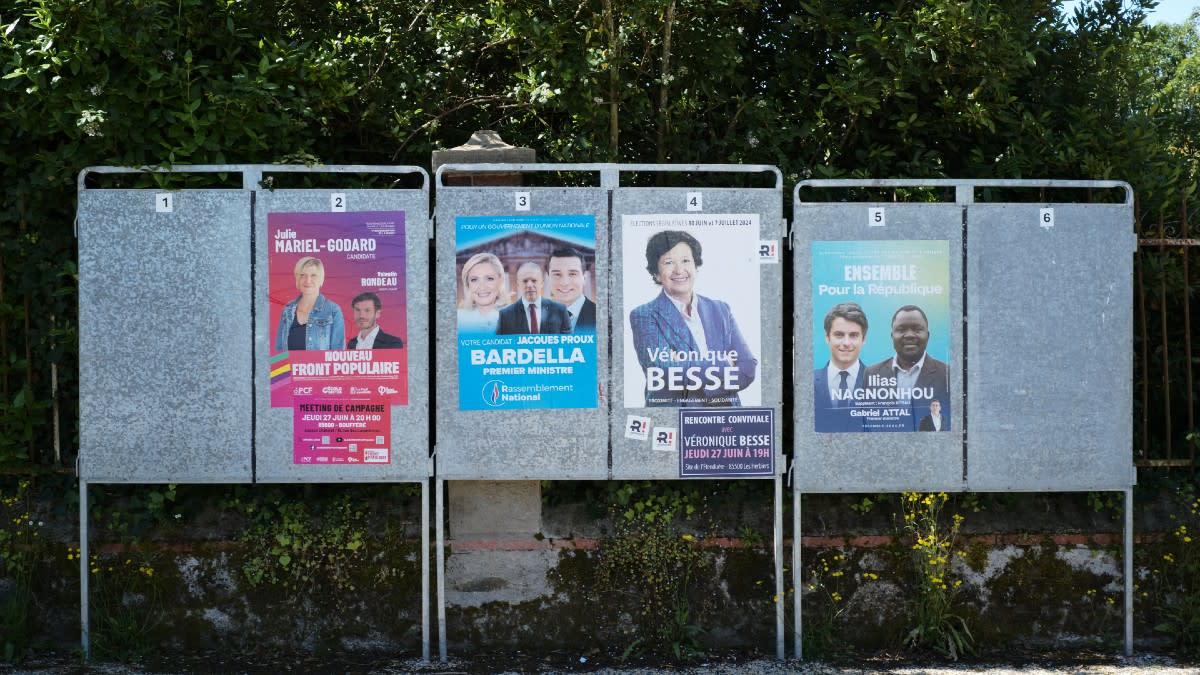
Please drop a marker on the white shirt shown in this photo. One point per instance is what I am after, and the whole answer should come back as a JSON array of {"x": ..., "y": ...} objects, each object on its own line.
[
  {"x": 907, "y": 379},
  {"x": 540, "y": 316},
  {"x": 693, "y": 323},
  {"x": 575, "y": 308},
  {"x": 367, "y": 342},
  {"x": 834, "y": 380}
]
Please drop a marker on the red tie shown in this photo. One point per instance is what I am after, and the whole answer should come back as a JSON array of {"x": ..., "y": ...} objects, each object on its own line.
[{"x": 533, "y": 327}]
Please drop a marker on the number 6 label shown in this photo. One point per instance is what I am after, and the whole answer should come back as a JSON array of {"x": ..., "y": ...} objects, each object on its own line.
[{"x": 1046, "y": 218}]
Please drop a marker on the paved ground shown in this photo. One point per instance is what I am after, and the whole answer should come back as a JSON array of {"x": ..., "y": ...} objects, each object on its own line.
[{"x": 520, "y": 663}]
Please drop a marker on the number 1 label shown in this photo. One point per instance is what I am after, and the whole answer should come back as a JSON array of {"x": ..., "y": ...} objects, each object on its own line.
[{"x": 164, "y": 202}]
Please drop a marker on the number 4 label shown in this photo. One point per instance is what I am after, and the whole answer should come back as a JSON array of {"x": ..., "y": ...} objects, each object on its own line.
[
  {"x": 695, "y": 201},
  {"x": 1046, "y": 218},
  {"x": 875, "y": 217},
  {"x": 164, "y": 202}
]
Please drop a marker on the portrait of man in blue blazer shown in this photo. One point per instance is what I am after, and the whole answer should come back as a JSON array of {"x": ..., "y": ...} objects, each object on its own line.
[
  {"x": 835, "y": 384},
  {"x": 688, "y": 345}
]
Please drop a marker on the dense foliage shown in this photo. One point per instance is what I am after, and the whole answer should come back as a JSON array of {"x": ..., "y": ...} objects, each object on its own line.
[{"x": 931, "y": 88}]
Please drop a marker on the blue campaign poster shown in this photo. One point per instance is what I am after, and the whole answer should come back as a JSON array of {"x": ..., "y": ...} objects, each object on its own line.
[{"x": 526, "y": 314}]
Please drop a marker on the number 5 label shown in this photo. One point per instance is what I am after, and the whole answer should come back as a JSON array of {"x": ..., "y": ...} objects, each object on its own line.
[{"x": 875, "y": 217}]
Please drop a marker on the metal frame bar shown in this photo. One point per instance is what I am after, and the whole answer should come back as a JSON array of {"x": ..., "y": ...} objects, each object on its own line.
[
  {"x": 84, "y": 613},
  {"x": 439, "y": 487},
  {"x": 964, "y": 188},
  {"x": 777, "y": 501},
  {"x": 610, "y": 174},
  {"x": 1128, "y": 565},
  {"x": 252, "y": 173}
]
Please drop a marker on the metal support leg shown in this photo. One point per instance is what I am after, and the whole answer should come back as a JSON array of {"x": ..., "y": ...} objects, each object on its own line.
[
  {"x": 85, "y": 633},
  {"x": 439, "y": 487},
  {"x": 797, "y": 585},
  {"x": 1129, "y": 572},
  {"x": 425, "y": 599},
  {"x": 780, "y": 595}
]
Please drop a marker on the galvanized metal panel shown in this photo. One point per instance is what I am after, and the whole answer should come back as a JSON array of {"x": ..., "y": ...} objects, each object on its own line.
[
  {"x": 873, "y": 462},
  {"x": 637, "y": 459},
  {"x": 1050, "y": 343},
  {"x": 409, "y": 423},
  {"x": 164, "y": 337},
  {"x": 564, "y": 443}
]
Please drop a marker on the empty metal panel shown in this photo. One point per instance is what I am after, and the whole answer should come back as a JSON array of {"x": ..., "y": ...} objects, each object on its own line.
[
  {"x": 535, "y": 442},
  {"x": 735, "y": 271},
  {"x": 859, "y": 461},
  {"x": 165, "y": 336},
  {"x": 274, "y": 426},
  {"x": 1049, "y": 308}
]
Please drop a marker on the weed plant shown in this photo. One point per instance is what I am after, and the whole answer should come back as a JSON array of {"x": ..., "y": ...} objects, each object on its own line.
[
  {"x": 1175, "y": 581},
  {"x": 939, "y": 625},
  {"x": 21, "y": 544}
]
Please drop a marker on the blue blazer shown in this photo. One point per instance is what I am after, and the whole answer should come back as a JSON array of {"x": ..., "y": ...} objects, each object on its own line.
[
  {"x": 830, "y": 418},
  {"x": 657, "y": 327}
]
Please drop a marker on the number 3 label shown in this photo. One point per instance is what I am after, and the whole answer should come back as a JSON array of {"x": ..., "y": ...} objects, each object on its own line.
[{"x": 522, "y": 201}]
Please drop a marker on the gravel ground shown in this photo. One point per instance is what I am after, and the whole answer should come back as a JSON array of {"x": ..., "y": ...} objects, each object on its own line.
[{"x": 519, "y": 663}]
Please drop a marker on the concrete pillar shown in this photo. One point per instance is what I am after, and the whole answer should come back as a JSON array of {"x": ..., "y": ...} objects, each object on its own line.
[{"x": 490, "y": 509}]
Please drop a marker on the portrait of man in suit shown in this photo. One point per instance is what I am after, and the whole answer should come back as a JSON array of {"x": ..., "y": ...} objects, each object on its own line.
[
  {"x": 835, "y": 384},
  {"x": 533, "y": 314},
  {"x": 934, "y": 420},
  {"x": 688, "y": 345},
  {"x": 367, "y": 310},
  {"x": 568, "y": 279},
  {"x": 916, "y": 377}
]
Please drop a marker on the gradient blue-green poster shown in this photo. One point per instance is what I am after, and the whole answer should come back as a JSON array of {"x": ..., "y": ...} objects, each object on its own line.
[{"x": 881, "y": 336}]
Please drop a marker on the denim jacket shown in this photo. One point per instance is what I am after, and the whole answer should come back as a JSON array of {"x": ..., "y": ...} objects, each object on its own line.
[{"x": 326, "y": 328}]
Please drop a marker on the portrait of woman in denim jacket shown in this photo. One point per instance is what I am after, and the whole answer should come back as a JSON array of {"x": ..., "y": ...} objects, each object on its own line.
[{"x": 311, "y": 321}]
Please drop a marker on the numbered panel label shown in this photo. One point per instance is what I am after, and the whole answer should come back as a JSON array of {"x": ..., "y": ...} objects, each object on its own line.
[
  {"x": 875, "y": 217},
  {"x": 695, "y": 201},
  {"x": 337, "y": 201},
  {"x": 164, "y": 202},
  {"x": 521, "y": 201}
]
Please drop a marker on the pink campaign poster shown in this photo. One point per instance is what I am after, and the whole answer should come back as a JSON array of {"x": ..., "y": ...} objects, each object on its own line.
[{"x": 339, "y": 331}]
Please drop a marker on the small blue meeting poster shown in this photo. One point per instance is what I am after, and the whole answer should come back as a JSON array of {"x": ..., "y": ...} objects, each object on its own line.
[
  {"x": 526, "y": 311},
  {"x": 881, "y": 336}
]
